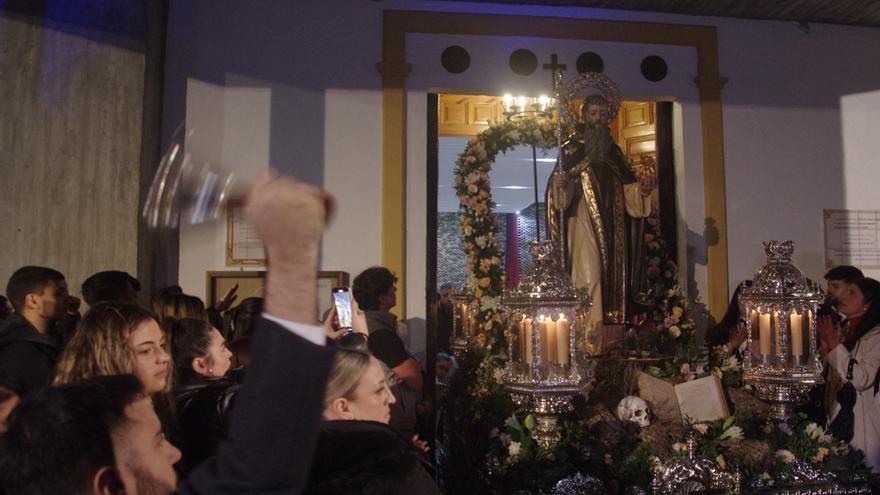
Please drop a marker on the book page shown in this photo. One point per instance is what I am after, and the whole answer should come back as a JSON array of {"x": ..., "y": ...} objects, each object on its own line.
[
  {"x": 702, "y": 399},
  {"x": 661, "y": 398}
]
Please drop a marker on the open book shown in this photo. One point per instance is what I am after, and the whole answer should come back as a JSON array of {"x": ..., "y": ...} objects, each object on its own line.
[{"x": 699, "y": 400}]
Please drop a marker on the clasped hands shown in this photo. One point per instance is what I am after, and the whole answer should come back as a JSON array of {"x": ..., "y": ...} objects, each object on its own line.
[{"x": 831, "y": 333}]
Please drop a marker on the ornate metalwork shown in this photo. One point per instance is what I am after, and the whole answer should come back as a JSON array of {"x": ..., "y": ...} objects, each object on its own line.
[
  {"x": 694, "y": 475},
  {"x": 578, "y": 485},
  {"x": 781, "y": 306},
  {"x": 567, "y": 93},
  {"x": 544, "y": 371},
  {"x": 805, "y": 479}
]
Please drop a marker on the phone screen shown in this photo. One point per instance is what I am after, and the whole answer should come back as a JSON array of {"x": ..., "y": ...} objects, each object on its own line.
[{"x": 342, "y": 300}]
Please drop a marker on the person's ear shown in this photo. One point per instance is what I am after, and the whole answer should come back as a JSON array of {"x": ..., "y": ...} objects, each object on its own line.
[
  {"x": 107, "y": 482},
  {"x": 341, "y": 409},
  {"x": 32, "y": 301},
  {"x": 200, "y": 365}
]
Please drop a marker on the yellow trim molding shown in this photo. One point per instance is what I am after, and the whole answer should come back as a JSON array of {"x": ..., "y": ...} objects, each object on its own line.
[{"x": 394, "y": 70}]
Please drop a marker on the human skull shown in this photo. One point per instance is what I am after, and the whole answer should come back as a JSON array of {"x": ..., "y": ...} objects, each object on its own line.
[{"x": 635, "y": 409}]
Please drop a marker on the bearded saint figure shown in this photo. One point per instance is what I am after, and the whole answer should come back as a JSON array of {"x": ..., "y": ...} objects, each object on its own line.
[{"x": 601, "y": 233}]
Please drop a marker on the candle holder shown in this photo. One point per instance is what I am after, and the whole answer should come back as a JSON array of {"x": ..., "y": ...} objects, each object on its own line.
[
  {"x": 546, "y": 323},
  {"x": 463, "y": 321},
  {"x": 783, "y": 362}
]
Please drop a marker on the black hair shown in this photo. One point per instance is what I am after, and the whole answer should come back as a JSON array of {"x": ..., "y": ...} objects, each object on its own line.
[
  {"x": 370, "y": 284},
  {"x": 720, "y": 333},
  {"x": 847, "y": 273},
  {"x": 59, "y": 437},
  {"x": 29, "y": 280},
  {"x": 4, "y": 310},
  {"x": 238, "y": 322},
  {"x": 870, "y": 289},
  {"x": 190, "y": 339},
  {"x": 108, "y": 285}
]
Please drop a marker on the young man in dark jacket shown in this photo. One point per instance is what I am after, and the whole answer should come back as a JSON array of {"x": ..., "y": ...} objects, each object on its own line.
[{"x": 28, "y": 347}]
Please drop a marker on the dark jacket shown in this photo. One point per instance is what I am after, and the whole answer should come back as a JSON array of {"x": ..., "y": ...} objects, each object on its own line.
[
  {"x": 367, "y": 457},
  {"x": 27, "y": 357},
  {"x": 273, "y": 433},
  {"x": 203, "y": 410}
]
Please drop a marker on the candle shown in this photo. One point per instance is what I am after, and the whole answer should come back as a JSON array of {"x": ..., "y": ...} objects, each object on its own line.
[
  {"x": 797, "y": 335},
  {"x": 764, "y": 326},
  {"x": 563, "y": 327},
  {"x": 548, "y": 348},
  {"x": 527, "y": 339}
]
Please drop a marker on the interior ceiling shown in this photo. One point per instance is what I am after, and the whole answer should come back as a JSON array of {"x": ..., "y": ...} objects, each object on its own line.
[
  {"x": 512, "y": 176},
  {"x": 851, "y": 12}
]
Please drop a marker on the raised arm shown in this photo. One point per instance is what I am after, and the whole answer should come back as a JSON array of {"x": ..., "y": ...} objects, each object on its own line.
[{"x": 275, "y": 424}]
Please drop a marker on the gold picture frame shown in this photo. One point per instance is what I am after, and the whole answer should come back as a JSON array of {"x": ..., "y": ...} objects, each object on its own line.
[
  {"x": 243, "y": 248},
  {"x": 251, "y": 283}
]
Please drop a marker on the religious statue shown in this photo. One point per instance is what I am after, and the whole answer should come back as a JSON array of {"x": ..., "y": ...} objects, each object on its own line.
[{"x": 601, "y": 202}]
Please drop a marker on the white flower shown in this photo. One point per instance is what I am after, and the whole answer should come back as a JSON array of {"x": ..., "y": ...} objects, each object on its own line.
[
  {"x": 499, "y": 375},
  {"x": 703, "y": 428},
  {"x": 685, "y": 369},
  {"x": 512, "y": 422},
  {"x": 679, "y": 447},
  {"x": 785, "y": 456},
  {"x": 481, "y": 241},
  {"x": 733, "y": 433},
  {"x": 700, "y": 370},
  {"x": 784, "y": 428},
  {"x": 674, "y": 331},
  {"x": 730, "y": 363},
  {"x": 513, "y": 449},
  {"x": 815, "y": 431},
  {"x": 489, "y": 303}
]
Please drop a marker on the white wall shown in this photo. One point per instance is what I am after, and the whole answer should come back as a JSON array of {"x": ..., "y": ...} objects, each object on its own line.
[
  {"x": 860, "y": 116},
  {"x": 781, "y": 110}
]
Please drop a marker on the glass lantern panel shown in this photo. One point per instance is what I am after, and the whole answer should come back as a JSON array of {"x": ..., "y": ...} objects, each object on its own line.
[{"x": 763, "y": 325}]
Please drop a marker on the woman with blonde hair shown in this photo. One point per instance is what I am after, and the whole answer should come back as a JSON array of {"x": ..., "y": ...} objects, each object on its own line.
[
  {"x": 357, "y": 451},
  {"x": 120, "y": 339}
]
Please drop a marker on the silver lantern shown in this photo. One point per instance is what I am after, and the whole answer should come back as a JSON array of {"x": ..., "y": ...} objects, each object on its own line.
[
  {"x": 783, "y": 362},
  {"x": 546, "y": 318}
]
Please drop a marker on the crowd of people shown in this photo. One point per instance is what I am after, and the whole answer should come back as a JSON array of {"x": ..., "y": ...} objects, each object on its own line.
[
  {"x": 261, "y": 397},
  {"x": 174, "y": 396}
]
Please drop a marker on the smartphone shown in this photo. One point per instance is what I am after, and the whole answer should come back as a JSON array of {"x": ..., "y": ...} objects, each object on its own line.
[{"x": 342, "y": 301}]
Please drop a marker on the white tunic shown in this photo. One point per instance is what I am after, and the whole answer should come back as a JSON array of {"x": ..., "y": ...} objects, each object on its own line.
[
  {"x": 866, "y": 431},
  {"x": 586, "y": 261}
]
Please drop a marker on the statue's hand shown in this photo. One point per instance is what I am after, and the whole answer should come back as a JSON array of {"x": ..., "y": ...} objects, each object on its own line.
[{"x": 648, "y": 184}]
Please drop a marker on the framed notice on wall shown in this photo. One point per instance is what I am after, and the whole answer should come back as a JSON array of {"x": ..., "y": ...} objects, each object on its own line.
[
  {"x": 243, "y": 246},
  {"x": 852, "y": 237}
]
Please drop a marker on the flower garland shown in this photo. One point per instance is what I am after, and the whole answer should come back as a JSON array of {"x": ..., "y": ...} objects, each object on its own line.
[{"x": 485, "y": 274}]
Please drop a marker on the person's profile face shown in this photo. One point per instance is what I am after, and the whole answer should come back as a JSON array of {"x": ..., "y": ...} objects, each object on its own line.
[
  {"x": 446, "y": 296},
  {"x": 596, "y": 114},
  {"x": 372, "y": 397},
  {"x": 835, "y": 289},
  {"x": 219, "y": 358},
  {"x": 51, "y": 300},
  {"x": 144, "y": 457},
  {"x": 443, "y": 367},
  {"x": 151, "y": 362}
]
